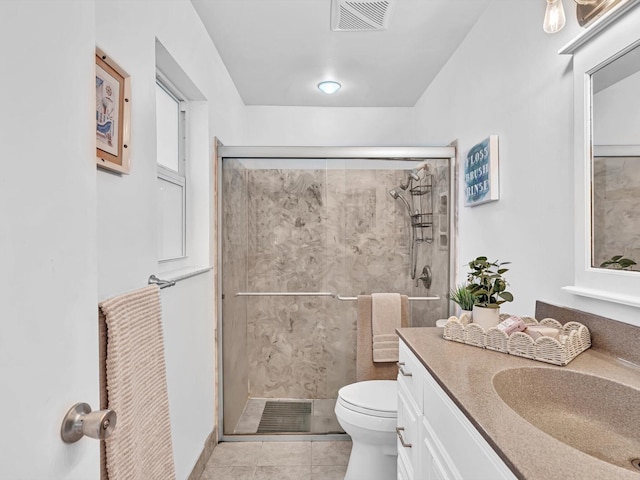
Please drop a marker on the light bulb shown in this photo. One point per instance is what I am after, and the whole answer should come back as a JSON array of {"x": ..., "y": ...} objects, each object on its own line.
[{"x": 554, "y": 18}]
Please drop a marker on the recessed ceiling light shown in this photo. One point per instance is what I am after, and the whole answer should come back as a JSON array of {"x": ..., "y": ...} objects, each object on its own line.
[{"x": 329, "y": 87}]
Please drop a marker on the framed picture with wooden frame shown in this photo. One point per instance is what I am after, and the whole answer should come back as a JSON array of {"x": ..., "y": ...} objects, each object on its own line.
[{"x": 113, "y": 114}]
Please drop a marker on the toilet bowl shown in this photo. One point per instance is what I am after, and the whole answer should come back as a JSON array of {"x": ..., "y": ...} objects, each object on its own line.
[{"x": 368, "y": 412}]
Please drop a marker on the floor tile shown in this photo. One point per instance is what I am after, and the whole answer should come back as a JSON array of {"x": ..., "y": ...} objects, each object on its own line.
[
  {"x": 228, "y": 473},
  {"x": 237, "y": 454},
  {"x": 285, "y": 453},
  {"x": 330, "y": 453},
  {"x": 328, "y": 472},
  {"x": 325, "y": 425},
  {"x": 295, "y": 472}
]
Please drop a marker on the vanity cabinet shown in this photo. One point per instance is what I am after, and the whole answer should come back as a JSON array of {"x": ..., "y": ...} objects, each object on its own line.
[{"x": 444, "y": 445}]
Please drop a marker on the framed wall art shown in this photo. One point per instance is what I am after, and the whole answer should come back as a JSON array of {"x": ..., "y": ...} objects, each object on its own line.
[
  {"x": 481, "y": 179},
  {"x": 113, "y": 114}
]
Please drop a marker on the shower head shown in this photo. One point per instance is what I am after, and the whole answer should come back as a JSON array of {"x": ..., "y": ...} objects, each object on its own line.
[{"x": 395, "y": 194}]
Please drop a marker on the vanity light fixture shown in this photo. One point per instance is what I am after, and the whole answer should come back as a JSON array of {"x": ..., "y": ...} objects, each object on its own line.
[
  {"x": 329, "y": 87},
  {"x": 586, "y": 12}
]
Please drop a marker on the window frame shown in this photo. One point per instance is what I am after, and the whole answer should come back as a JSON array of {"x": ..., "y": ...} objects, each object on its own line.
[{"x": 176, "y": 177}]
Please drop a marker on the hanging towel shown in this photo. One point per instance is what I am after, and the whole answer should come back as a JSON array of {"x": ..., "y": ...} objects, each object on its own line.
[
  {"x": 133, "y": 384},
  {"x": 366, "y": 369},
  {"x": 385, "y": 318}
]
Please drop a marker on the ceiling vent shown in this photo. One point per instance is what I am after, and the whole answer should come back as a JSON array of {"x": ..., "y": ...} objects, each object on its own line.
[{"x": 360, "y": 15}]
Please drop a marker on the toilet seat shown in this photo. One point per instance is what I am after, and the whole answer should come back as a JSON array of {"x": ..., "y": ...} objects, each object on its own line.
[{"x": 376, "y": 398}]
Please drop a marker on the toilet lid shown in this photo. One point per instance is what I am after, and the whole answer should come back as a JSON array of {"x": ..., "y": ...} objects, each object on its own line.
[{"x": 373, "y": 397}]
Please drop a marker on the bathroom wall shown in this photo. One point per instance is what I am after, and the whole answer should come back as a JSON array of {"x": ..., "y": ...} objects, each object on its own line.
[
  {"x": 331, "y": 230},
  {"x": 126, "y": 212},
  {"x": 330, "y": 126},
  {"x": 528, "y": 104}
]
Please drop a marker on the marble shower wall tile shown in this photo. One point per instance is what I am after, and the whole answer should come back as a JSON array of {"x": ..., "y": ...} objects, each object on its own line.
[{"x": 338, "y": 231}]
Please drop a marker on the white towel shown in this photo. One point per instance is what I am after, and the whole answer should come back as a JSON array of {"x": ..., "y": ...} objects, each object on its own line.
[{"x": 385, "y": 318}]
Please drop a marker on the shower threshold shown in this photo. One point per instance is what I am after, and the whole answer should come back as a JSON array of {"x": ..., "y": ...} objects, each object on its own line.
[{"x": 268, "y": 416}]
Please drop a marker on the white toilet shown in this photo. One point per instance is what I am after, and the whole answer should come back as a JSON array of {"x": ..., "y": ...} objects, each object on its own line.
[{"x": 368, "y": 412}]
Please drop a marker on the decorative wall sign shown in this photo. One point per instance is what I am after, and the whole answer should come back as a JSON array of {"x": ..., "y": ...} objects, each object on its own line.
[
  {"x": 113, "y": 107},
  {"x": 481, "y": 180}
]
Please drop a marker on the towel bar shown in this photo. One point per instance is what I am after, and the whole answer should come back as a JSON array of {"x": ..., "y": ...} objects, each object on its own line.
[
  {"x": 411, "y": 299},
  {"x": 284, "y": 294},
  {"x": 153, "y": 280},
  {"x": 314, "y": 294}
]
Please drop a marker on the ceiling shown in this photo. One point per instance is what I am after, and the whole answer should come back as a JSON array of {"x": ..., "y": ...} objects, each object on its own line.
[{"x": 277, "y": 51}]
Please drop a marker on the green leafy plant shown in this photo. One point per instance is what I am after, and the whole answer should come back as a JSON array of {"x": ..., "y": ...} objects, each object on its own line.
[
  {"x": 618, "y": 262},
  {"x": 486, "y": 282},
  {"x": 462, "y": 296}
]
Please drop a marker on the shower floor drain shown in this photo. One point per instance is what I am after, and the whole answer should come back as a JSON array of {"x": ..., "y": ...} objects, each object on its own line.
[{"x": 285, "y": 417}]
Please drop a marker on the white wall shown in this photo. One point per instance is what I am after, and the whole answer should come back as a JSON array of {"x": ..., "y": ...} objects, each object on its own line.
[
  {"x": 48, "y": 302},
  {"x": 507, "y": 79},
  {"x": 327, "y": 126},
  {"x": 127, "y": 204}
]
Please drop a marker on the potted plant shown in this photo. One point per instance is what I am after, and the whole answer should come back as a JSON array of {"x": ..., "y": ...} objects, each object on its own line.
[
  {"x": 485, "y": 280},
  {"x": 464, "y": 298}
]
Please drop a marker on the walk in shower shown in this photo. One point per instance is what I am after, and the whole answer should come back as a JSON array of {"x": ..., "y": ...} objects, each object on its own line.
[{"x": 303, "y": 231}]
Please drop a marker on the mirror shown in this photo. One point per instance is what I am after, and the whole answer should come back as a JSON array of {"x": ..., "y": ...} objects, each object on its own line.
[{"x": 615, "y": 168}]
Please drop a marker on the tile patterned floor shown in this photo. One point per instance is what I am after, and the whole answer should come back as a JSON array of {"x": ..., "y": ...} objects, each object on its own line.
[{"x": 322, "y": 460}]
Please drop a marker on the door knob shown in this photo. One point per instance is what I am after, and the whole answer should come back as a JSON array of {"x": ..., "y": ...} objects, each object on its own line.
[{"x": 80, "y": 421}]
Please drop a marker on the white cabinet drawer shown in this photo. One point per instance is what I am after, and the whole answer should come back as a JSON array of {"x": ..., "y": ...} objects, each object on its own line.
[
  {"x": 435, "y": 461},
  {"x": 460, "y": 449},
  {"x": 410, "y": 373},
  {"x": 408, "y": 425},
  {"x": 403, "y": 473}
]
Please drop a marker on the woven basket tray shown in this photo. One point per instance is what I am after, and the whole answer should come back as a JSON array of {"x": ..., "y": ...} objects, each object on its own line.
[{"x": 574, "y": 339}]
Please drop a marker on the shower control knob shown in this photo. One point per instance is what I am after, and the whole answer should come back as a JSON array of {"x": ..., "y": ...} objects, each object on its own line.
[{"x": 80, "y": 421}]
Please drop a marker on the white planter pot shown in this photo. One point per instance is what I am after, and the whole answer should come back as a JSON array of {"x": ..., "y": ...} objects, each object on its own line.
[{"x": 486, "y": 317}]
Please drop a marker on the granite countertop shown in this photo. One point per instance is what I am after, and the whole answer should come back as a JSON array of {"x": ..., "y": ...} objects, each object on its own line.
[{"x": 465, "y": 372}]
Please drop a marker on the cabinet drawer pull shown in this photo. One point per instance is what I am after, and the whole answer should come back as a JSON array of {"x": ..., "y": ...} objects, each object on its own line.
[
  {"x": 400, "y": 365},
  {"x": 399, "y": 431}
]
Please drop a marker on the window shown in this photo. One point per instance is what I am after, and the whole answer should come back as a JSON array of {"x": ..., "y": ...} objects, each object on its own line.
[{"x": 171, "y": 154}]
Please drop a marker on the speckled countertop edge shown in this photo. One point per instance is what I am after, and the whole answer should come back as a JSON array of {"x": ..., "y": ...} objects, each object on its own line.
[{"x": 466, "y": 374}]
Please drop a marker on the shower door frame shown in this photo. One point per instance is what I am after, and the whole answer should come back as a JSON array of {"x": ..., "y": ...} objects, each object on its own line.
[{"x": 344, "y": 153}]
